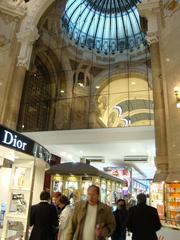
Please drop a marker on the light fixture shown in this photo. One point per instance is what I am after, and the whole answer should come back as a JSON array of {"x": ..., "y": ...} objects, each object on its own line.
[
  {"x": 81, "y": 84},
  {"x": 177, "y": 94}
]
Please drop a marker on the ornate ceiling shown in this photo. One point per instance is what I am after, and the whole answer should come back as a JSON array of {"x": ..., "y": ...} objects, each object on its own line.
[{"x": 108, "y": 26}]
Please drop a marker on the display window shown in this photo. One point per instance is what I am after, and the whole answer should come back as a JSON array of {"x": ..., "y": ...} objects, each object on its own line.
[
  {"x": 165, "y": 197},
  {"x": 103, "y": 190},
  {"x": 86, "y": 182},
  {"x": 173, "y": 204},
  {"x": 75, "y": 185},
  {"x": 157, "y": 198},
  {"x": 57, "y": 184}
]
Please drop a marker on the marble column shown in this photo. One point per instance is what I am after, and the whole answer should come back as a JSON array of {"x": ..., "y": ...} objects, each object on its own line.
[
  {"x": 26, "y": 39},
  {"x": 151, "y": 10},
  {"x": 161, "y": 159}
]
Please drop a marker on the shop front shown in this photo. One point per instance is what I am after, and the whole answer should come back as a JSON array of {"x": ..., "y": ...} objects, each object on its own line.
[
  {"x": 165, "y": 196},
  {"x": 73, "y": 180},
  {"x": 22, "y": 167}
]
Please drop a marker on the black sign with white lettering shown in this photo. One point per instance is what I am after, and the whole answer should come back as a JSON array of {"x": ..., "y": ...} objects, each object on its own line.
[
  {"x": 87, "y": 178},
  {"x": 19, "y": 142}
]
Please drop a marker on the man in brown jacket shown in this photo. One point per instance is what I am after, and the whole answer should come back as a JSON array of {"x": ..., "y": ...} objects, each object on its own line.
[{"x": 92, "y": 220}]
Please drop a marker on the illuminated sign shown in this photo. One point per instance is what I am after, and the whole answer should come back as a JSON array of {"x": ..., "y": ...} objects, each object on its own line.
[{"x": 19, "y": 142}]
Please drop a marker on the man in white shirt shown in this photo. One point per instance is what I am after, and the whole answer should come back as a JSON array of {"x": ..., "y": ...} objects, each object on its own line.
[{"x": 92, "y": 220}]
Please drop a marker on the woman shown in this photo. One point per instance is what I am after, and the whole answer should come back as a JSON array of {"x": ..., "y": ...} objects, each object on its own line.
[
  {"x": 64, "y": 218},
  {"x": 120, "y": 215}
]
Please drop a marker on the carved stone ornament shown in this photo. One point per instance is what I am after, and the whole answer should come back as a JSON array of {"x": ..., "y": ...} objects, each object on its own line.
[
  {"x": 29, "y": 35},
  {"x": 152, "y": 38},
  {"x": 13, "y": 7},
  {"x": 26, "y": 38},
  {"x": 3, "y": 40}
]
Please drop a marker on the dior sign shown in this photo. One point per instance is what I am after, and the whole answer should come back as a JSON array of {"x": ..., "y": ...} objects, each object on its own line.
[
  {"x": 21, "y": 143},
  {"x": 15, "y": 140},
  {"x": 12, "y": 139}
]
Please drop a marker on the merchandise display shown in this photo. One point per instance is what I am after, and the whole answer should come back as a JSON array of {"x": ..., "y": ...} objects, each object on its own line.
[
  {"x": 16, "y": 217},
  {"x": 157, "y": 198},
  {"x": 173, "y": 204},
  {"x": 69, "y": 179},
  {"x": 166, "y": 198}
]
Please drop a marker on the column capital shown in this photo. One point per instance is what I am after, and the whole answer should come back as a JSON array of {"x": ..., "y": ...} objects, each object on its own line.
[
  {"x": 152, "y": 38},
  {"x": 150, "y": 9},
  {"x": 26, "y": 38},
  {"x": 30, "y": 34},
  {"x": 16, "y": 8}
]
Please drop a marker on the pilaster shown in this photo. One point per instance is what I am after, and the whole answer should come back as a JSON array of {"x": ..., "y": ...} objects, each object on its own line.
[
  {"x": 26, "y": 38},
  {"x": 151, "y": 10}
]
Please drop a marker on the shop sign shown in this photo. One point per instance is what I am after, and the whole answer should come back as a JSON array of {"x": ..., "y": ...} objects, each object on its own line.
[
  {"x": 87, "y": 178},
  {"x": 19, "y": 142},
  {"x": 16, "y": 141}
]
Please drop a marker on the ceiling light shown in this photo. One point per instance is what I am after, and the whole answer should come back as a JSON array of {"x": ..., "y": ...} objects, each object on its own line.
[
  {"x": 133, "y": 83},
  {"x": 97, "y": 87},
  {"x": 61, "y": 91},
  {"x": 177, "y": 94},
  {"x": 81, "y": 84},
  {"x": 69, "y": 156},
  {"x": 133, "y": 150}
]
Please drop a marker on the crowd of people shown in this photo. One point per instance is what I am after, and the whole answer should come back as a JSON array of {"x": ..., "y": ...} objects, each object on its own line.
[{"x": 55, "y": 219}]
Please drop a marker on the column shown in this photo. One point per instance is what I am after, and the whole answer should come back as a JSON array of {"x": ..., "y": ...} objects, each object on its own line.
[
  {"x": 151, "y": 10},
  {"x": 161, "y": 159},
  {"x": 26, "y": 39}
]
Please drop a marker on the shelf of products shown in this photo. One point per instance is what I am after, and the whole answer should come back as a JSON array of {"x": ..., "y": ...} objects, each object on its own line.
[
  {"x": 16, "y": 216},
  {"x": 157, "y": 198},
  {"x": 173, "y": 204}
]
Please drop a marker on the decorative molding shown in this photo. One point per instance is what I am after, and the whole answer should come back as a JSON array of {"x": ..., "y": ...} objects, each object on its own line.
[
  {"x": 151, "y": 10},
  {"x": 3, "y": 40},
  {"x": 16, "y": 8},
  {"x": 35, "y": 9},
  {"x": 170, "y": 7},
  {"x": 26, "y": 38},
  {"x": 152, "y": 38}
]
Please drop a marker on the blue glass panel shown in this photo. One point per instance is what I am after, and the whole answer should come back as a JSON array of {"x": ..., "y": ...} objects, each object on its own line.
[{"x": 107, "y": 26}]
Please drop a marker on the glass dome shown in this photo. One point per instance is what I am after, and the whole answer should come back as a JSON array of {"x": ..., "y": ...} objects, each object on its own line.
[{"x": 107, "y": 26}]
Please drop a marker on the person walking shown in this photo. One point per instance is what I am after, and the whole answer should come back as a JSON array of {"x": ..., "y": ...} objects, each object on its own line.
[
  {"x": 143, "y": 220},
  {"x": 64, "y": 217},
  {"x": 44, "y": 219},
  {"x": 91, "y": 220},
  {"x": 55, "y": 200},
  {"x": 121, "y": 215}
]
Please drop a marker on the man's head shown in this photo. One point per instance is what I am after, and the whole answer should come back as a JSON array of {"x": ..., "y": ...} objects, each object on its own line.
[
  {"x": 121, "y": 203},
  {"x": 141, "y": 198},
  {"x": 93, "y": 194},
  {"x": 45, "y": 196}
]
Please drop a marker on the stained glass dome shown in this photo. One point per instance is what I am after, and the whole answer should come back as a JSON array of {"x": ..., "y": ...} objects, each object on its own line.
[{"x": 106, "y": 26}]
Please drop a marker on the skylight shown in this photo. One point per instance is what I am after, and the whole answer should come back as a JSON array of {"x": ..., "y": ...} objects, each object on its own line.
[{"x": 106, "y": 26}]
